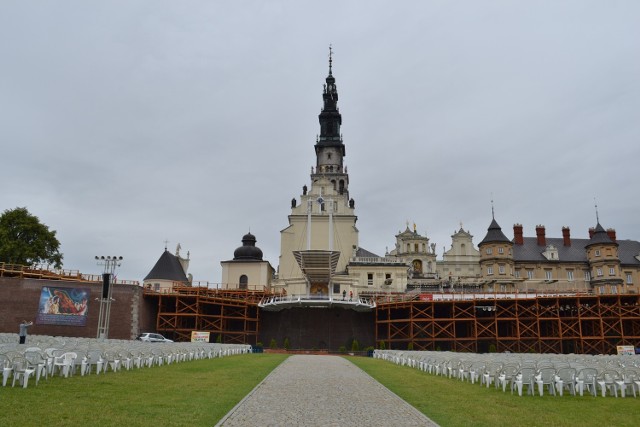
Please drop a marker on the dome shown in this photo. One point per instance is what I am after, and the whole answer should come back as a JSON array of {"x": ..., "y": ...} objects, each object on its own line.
[{"x": 248, "y": 250}]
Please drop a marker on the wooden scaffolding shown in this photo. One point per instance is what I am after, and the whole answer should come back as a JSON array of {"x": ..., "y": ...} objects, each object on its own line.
[
  {"x": 590, "y": 324},
  {"x": 230, "y": 316}
]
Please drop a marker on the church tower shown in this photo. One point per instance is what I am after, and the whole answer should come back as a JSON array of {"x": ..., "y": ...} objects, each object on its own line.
[{"x": 324, "y": 220}]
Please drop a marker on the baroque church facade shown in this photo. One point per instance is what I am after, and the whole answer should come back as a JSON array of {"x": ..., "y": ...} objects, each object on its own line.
[{"x": 320, "y": 254}]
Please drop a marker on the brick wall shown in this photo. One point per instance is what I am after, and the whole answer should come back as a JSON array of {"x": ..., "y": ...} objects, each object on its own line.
[{"x": 130, "y": 313}]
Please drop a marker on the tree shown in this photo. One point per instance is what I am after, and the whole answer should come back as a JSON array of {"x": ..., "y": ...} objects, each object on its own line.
[{"x": 25, "y": 240}]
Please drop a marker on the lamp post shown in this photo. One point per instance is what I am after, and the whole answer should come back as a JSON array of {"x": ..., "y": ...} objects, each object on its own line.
[{"x": 110, "y": 263}]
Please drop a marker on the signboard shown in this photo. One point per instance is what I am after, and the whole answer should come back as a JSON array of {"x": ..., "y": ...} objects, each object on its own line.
[
  {"x": 426, "y": 297},
  {"x": 197, "y": 336},
  {"x": 626, "y": 350},
  {"x": 63, "y": 306}
]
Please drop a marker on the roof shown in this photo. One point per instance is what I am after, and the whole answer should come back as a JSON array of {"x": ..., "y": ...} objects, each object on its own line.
[
  {"x": 365, "y": 253},
  {"x": 168, "y": 267},
  {"x": 628, "y": 250},
  {"x": 600, "y": 236},
  {"x": 494, "y": 234}
]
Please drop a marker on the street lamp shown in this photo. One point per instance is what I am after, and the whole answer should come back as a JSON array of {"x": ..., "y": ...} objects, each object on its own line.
[{"x": 110, "y": 263}]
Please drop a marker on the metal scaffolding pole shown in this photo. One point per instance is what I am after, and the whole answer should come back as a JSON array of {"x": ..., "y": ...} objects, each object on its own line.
[{"x": 110, "y": 263}]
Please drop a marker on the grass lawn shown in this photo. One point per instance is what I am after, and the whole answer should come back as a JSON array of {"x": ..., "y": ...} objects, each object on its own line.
[
  {"x": 197, "y": 393},
  {"x": 451, "y": 403}
]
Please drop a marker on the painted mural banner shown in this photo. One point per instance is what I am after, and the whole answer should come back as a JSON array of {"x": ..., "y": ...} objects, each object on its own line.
[{"x": 63, "y": 306}]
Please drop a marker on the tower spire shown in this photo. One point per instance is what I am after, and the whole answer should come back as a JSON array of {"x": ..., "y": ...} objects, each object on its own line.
[
  {"x": 597, "y": 216},
  {"x": 330, "y": 58}
]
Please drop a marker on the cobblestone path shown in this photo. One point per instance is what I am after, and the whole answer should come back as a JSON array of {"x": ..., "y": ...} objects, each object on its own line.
[{"x": 314, "y": 390}]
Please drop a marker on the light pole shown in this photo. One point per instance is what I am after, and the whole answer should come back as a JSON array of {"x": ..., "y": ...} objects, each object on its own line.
[{"x": 110, "y": 263}]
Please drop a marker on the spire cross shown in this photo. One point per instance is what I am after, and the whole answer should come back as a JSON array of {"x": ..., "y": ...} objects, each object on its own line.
[
  {"x": 330, "y": 58},
  {"x": 166, "y": 242},
  {"x": 493, "y": 215},
  {"x": 597, "y": 216}
]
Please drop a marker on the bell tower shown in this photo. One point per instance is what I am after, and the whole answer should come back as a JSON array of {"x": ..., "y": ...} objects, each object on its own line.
[
  {"x": 330, "y": 150},
  {"x": 324, "y": 220}
]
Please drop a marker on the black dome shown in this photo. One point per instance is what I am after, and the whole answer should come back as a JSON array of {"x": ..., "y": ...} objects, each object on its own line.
[{"x": 248, "y": 250}]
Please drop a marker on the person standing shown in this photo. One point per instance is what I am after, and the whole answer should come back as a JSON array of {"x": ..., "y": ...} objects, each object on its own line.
[
  {"x": 350, "y": 295},
  {"x": 23, "y": 331},
  {"x": 344, "y": 294}
]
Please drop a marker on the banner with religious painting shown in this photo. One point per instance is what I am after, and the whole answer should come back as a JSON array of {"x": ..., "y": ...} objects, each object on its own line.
[{"x": 63, "y": 306}]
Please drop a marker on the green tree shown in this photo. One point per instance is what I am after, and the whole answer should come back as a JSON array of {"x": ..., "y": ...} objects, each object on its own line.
[{"x": 25, "y": 240}]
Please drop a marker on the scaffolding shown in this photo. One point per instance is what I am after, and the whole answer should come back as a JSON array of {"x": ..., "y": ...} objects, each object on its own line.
[
  {"x": 574, "y": 323},
  {"x": 230, "y": 316}
]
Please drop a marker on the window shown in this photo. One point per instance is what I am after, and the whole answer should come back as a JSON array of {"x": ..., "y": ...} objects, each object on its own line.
[
  {"x": 612, "y": 271},
  {"x": 244, "y": 280},
  {"x": 370, "y": 279},
  {"x": 517, "y": 274},
  {"x": 597, "y": 252},
  {"x": 490, "y": 271},
  {"x": 599, "y": 272},
  {"x": 629, "y": 279},
  {"x": 500, "y": 250},
  {"x": 529, "y": 274},
  {"x": 587, "y": 276},
  {"x": 336, "y": 288},
  {"x": 489, "y": 251},
  {"x": 387, "y": 276},
  {"x": 501, "y": 269},
  {"x": 548, "y": 275},
  {"x": 415, "y": 247},
  {"x": 570, "y": 275}
]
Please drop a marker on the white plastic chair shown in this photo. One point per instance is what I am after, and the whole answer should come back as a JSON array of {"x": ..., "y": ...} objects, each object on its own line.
[
  {"x": 21, "y": 371},
  {"x": 566, "y": 378}
]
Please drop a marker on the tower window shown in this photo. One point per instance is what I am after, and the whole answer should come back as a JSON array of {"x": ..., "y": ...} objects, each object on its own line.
[
  {"x": 570, "y": 275},
  {"x": 329, "y": 156},
  {"x": 597, "y": 252},
  {"x": 370, "y": 279},
  {"x": 489, "y": 271},
  {"x": 500, "y": 250},
  {"x": 489, "y": 251},
  {"x": 629, "y": 279},
  {"x": 243, "y": 282}
]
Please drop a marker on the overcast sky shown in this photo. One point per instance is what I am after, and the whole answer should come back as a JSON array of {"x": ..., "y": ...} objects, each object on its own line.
[{"x": 127, "y": 123}]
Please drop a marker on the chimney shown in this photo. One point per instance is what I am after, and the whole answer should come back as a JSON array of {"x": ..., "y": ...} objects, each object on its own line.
[
  {"x": 611, "y": 233},
  {"x": 542, "y": 241},
  {"x": 566, "y": 236},
  {"x": 592, "y": 230},
  {"x": 517, "y": 234}
]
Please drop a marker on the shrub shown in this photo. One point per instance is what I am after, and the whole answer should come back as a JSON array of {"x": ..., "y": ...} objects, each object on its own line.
[
  {"x": 273, "y": 344},
  {"x": 355, "y": 345},
  {"x": 492, "y": 348},
  {"x": 342, "y": 349},
  {"x": 219, "y": 339},
  {"x": 286, "y": 344},
  {"x": 259, "y": 344},
  {"x": 382, "y": 346},
  {"x": 410, "y": 346}
]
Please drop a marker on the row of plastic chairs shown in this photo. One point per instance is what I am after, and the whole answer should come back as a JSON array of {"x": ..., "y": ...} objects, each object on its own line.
[
  {"x": 537, "y": 373},
  {"x": 48, "y": 356}
]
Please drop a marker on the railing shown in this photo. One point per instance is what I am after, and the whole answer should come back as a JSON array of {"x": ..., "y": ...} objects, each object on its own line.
[
  {"x": 44, "y": 271},
  {"x": 321, "y": 300},
  {"x": 458, "y": 296}
]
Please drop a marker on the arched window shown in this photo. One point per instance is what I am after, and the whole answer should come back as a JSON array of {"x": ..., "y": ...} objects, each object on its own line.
[{"x": 244, "y": 280}]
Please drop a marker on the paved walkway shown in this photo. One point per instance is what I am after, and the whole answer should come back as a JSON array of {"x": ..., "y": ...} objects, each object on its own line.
[{"x": 310, "y": 390}]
